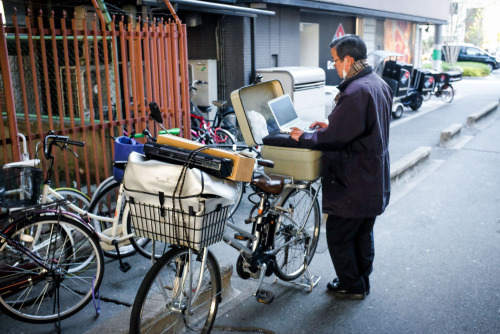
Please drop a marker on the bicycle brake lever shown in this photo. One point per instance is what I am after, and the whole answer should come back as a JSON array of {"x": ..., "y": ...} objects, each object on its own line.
[{"x": 69, "y": 149}]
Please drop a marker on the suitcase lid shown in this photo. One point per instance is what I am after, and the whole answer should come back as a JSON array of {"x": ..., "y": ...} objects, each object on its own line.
[{"x": 254, "y": 98}]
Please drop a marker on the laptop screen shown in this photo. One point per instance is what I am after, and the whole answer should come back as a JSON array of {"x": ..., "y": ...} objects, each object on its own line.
[{"x": 283, "y": 110}]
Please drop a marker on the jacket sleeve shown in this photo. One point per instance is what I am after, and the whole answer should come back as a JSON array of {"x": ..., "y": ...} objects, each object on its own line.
[{"x": 346, "y": 122}]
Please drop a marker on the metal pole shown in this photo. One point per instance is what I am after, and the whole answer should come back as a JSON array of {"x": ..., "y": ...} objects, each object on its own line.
[
  {"x": 9, "y": 94},
  {"x": 438, "y": 44}
]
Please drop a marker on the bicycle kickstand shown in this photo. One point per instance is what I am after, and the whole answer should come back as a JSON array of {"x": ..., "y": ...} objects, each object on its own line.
[
  {"x": 124, "y": 266},
  {"x": 312, "y": 280},
  {"x": 263, "y": 296}
]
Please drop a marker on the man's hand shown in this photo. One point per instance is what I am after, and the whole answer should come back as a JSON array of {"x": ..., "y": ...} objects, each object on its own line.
[
  {"x": 296, "y": 133},
  {"x": 318, "y": 125}
]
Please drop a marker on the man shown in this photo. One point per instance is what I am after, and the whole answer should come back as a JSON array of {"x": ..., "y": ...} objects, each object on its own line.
[{"x": 356, "y": 173}]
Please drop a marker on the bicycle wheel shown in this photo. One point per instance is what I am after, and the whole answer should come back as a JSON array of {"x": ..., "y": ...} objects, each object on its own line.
[
  {"x": 426, "y": 96},
  {"x": 104, "y": 204},
  {"x": 294, "y": 226},
  {"x": 101, "y": 186},
  {"x": 62, "y": 282},
  {"x": 165, "y": 300},
  {"x": 447, "y": 94},
  {"x": 229, "y": 122},
  {"x": 75, "y": 197}
]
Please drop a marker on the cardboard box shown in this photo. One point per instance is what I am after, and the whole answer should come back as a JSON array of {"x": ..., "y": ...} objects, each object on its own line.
[{"x": 242, "y": 166}]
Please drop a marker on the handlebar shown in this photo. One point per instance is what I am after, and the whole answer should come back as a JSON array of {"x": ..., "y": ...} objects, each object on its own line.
[
  {"x": 52, "y": 139},
  {"x": 265, "y": 163}
]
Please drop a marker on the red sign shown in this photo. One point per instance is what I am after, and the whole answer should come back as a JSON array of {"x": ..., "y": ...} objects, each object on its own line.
[{"x": 340, "y": 31}]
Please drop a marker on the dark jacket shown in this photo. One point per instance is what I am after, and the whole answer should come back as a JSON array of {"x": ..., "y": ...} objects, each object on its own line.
[{"x": 356, "y": 171}]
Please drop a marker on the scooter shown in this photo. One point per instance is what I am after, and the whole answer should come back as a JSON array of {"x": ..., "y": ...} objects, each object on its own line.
[{"x": 398, "y": 76}]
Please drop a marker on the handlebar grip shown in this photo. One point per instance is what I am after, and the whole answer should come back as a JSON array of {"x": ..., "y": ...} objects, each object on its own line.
[
  {"x": 265, "y": 163},
  {"x": 76, "y": 143}
]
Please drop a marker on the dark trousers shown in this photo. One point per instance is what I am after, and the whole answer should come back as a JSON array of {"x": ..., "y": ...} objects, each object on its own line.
[{"x": 350, "y": 242}]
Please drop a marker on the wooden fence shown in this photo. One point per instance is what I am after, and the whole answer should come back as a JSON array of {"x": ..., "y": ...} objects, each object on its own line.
[{"x": 89, "y": 81}]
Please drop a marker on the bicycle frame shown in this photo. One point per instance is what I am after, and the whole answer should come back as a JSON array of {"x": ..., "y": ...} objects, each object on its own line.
[
  {"x": 48, "y": 191},
  {"x": 275, "y": 208}
]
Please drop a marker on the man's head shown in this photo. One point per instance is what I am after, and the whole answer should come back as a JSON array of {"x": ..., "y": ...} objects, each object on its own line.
[{"x": 346, "y": 50}]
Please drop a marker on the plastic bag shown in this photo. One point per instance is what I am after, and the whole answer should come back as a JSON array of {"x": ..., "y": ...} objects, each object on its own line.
[
  {"x": 258, "y": 125},
  {"x": 123, "y": 146}
]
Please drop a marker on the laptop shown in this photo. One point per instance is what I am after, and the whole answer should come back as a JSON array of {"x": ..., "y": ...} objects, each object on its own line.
[{"x": 285, "y": 115}]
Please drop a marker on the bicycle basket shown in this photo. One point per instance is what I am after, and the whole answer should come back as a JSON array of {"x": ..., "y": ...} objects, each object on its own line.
[
  {"x": 186, "y": 228},
  {"x": 20, "y": 186}
]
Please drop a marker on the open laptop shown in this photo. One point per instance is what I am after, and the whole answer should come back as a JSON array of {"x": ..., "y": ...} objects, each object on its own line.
[{"x": 285, "y": 115}]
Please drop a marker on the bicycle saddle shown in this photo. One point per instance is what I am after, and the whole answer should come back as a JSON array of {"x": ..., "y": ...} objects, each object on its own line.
[
  {"x": 272, "y": 185},
  {"x": 219, "y": 104}
]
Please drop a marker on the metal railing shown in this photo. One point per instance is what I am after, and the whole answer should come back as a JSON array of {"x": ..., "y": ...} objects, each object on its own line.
[{"x": 88, "y": 80}]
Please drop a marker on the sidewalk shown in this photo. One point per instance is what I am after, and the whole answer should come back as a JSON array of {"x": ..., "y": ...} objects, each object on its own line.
[
  {"x": 437, "y": 260},
  {"x": 435, "y": 269}
]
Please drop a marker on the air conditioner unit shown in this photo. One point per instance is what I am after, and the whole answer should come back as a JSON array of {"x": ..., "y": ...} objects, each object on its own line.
[{"x": 204, "y": 70}]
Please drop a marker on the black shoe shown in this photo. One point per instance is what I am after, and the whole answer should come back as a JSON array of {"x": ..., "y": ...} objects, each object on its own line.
[
  {"x": 367, "y": 283},
  {"x": 341, "y": 293}
]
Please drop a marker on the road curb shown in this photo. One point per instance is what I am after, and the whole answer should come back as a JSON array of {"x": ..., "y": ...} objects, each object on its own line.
[
  {"x": 409, "y": 162},
  {"x": 478, "y": 115},
  {"x": 450, "y": 133}
]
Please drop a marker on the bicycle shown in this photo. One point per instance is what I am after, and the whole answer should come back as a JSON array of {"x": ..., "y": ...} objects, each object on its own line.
[
  {"x": 201, "y": 129},
  {"x": 104, "y": 203},
  {"x": 51, "y": 263},
  {"x": 226, "y": 119},
  {"x": 443, "y": 88},
  {"x": 72, "y": 195},
  {"x": 182, "y": 290},
  {"x": 116, "y": 236}
]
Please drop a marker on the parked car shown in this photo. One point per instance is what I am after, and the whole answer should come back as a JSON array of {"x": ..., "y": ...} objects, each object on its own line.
[{"x": 474, "y": 54}]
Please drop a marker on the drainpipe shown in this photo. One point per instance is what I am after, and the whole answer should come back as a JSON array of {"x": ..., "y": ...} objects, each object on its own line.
[
  {"x": 252, "y": 48},
  {"x": 438, "y": 45}
]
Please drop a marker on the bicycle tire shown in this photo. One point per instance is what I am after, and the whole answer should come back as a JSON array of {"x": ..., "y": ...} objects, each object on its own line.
[
  {"x": 101, "y": 186},
  {"x": 426, "y": 96},
  {"x": 66, "y": 285},
  {"x": 104, "y": 204},
  {"x": 447, "y": 94},
  {"x": 155, "y": 309},
  {"x": 290, "y": 260},
  {"x": 75, "y": 197}
]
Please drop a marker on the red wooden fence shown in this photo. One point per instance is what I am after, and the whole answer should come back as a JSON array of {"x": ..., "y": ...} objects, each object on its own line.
[{"x": 89, "y": 81}]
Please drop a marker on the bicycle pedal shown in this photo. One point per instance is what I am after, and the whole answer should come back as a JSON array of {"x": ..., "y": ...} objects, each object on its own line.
[
  {"x": 238, "y": 236},
  {"x": 264, "y": 296}
]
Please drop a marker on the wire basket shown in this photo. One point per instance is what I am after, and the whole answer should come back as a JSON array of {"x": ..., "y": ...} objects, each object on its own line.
[
  {"x": 191, "y": 229},
  {"x": 20, "y": 186}
]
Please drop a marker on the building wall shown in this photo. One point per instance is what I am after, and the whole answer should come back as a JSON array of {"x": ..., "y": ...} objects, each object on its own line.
[
  {"x": 436, "y": 9},
  {"x": 328, "y": 25}
]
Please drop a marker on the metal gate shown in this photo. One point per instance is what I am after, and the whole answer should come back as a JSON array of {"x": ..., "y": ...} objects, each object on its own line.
[{"x": 90, "y": 81}]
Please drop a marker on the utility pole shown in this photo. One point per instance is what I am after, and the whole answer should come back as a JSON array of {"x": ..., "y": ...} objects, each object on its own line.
[{"x": 436, "y": 49}]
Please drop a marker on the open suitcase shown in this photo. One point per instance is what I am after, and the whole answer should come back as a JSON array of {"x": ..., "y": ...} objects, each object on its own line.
[{"x": 301, "y": 164}]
